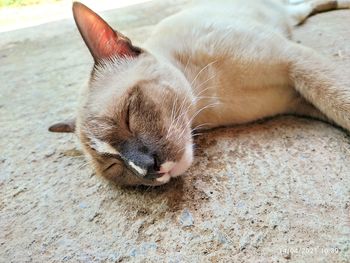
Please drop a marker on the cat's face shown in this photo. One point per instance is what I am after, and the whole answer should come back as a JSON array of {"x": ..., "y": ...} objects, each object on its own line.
[{"x": 134, "y": 121}]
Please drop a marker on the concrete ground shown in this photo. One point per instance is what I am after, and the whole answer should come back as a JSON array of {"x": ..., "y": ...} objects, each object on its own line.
[{"x": 274, "y": 191}]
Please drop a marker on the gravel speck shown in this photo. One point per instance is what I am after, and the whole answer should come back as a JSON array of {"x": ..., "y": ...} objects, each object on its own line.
[{"x": 186, "y": 218}]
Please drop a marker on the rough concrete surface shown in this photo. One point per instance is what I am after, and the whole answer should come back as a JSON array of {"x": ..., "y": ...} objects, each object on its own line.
[{"x": 273, "y": 191}]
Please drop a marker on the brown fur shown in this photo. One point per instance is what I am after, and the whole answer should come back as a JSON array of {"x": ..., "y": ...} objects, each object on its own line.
[{"x": 143, "y": 113}]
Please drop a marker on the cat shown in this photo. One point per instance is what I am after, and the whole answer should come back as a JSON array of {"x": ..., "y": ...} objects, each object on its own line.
[{"x": 213, "y": 64}]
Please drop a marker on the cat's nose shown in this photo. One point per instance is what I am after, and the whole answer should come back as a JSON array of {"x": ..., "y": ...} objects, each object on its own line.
[
  {"x": 149, "y": 162},
  {"x": 153, "y": 167},
  {"x": 143, "y": 164},
  {"x": 142, "y": 160}
]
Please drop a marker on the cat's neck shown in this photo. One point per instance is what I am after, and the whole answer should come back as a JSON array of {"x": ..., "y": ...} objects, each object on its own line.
[
  {"x": 199, "y": 70},
  {"x": 200, "y": 73}
]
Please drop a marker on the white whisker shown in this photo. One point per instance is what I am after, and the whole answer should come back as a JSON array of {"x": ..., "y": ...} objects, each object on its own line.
[
  {"x": 188, "y": 124},
  {"x": 188, "y": 61},
  {"x": 201, "y": 125},
  {"x": 206, "y": 89},
  {"x": 197, "y": 87},
  {"x": 204, "y": 68}
]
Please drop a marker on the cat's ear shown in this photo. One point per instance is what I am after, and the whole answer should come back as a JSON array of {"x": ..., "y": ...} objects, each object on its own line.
[
  {"x": 102, "y": 41},
  {"x": 65, "y": 126}
]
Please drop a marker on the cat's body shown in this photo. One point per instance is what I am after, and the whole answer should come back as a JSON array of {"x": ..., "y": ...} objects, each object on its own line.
[
  {"x": 231, "y": 57},
  {"x": 236, "y": 55},
  {"x": 216, "y": 63}
]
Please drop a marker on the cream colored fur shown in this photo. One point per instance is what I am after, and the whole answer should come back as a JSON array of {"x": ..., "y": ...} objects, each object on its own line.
[
  {"x": 242, "y": 66},
  {"x": 216, "y": 63}
]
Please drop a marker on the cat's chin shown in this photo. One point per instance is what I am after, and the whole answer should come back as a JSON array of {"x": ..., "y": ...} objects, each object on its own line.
[{"x": 164, "y": 179}]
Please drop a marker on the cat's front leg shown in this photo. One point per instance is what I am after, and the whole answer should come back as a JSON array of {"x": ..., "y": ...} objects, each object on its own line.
[{"x": 318, "y": 81}]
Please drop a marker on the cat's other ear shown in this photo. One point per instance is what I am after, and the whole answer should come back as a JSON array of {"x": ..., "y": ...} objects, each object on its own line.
[
  {"x": 102, "y": 41},
  {"x": 65, "y": 126}
]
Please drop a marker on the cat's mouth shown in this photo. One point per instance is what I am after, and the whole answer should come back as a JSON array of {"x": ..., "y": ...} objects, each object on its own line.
[
  {"x": 163, "y": 178},
  {"x": 136, "y": 174},
  {"x": 156, "y": 178},
  {"x": 171, "y": 169},
  {"x": 167, "y": 170}
]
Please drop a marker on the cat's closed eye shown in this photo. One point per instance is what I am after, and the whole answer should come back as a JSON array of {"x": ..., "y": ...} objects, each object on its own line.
[{"x": 127, "y": 117}]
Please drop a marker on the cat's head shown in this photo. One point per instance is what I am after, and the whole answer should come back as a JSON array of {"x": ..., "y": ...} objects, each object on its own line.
[{"x": 134, "y": 118}]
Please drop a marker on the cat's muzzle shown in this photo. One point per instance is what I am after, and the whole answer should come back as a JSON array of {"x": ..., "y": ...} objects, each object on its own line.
[{"x": 142, "y": 161}]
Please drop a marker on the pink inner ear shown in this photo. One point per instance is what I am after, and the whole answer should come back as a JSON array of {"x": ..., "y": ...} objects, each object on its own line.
[
  {"x": 101, "y": 39},
  {"x": 104, "y": 41}
]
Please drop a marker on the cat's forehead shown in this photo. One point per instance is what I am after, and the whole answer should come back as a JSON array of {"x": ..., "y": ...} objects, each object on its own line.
[
  {"x": 114, "y": 80},
  {"x": 124, "y": 72}
]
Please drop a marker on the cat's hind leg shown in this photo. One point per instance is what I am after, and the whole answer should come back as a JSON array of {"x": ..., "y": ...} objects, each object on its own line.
[{"x": 301, "y": 10}]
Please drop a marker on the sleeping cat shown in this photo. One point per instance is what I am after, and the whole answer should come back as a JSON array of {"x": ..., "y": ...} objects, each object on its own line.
[{"x": 216, "y": 63}]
